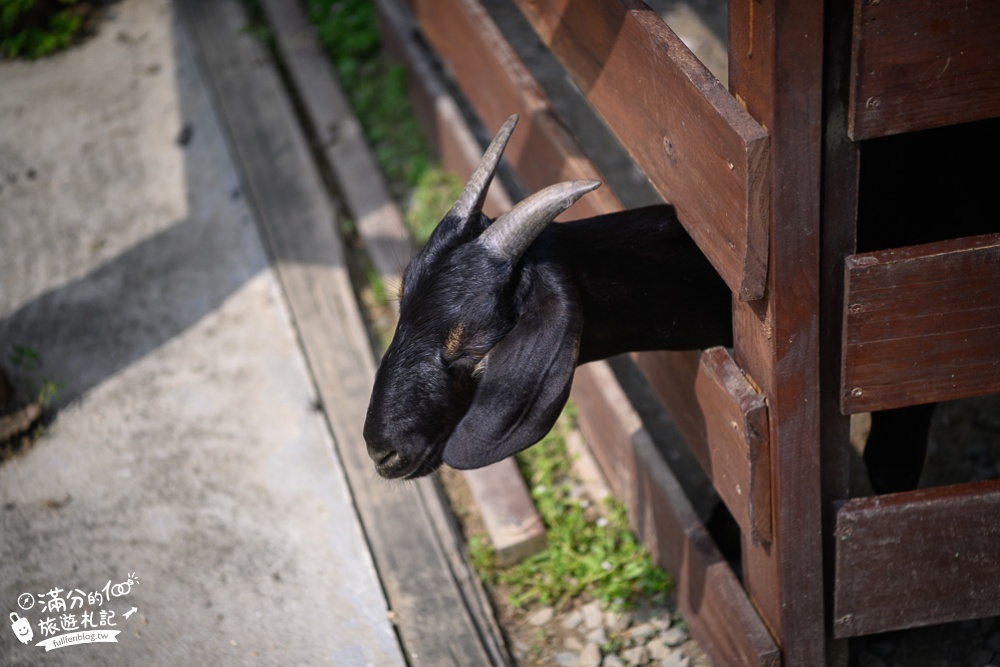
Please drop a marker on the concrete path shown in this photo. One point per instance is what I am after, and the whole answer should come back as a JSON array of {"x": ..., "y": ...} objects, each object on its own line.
[{"x": 187, "y": 456}]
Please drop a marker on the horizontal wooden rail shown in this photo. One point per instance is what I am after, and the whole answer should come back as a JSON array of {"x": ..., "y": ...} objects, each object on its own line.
[
  {"x": 700, "y": 149},
  {"x": 918, "y": 65},
  {"x": 917, "y": 558},
  {"x": 710, "y": 597},
  {"x": 921, "y": 324},
  {"x": 496, "y": 83},
  {"x": 724, "y": 421}
]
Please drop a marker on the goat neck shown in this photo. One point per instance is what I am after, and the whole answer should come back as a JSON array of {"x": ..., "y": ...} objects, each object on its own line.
[{"x": 642, "y": 283}]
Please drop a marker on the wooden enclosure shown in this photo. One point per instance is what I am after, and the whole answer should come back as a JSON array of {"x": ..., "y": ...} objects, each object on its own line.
[{"x": 765, "y": 177}]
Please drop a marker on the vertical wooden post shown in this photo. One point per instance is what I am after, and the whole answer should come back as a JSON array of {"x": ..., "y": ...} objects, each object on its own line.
[
  {"x": 838, "y": 219},
  {"x": 775, "y": 70}
]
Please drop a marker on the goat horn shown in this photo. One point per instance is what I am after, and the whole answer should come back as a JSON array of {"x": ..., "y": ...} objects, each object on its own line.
[
  {"x": 516, "y": 229},
  {"x": 474, "y": 193}
]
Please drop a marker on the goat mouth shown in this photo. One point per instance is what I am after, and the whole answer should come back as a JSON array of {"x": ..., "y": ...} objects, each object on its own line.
[{"x": 394, "y": 466}]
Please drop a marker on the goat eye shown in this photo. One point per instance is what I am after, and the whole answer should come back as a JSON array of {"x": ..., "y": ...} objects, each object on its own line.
[{"x": 463, "y": 360}]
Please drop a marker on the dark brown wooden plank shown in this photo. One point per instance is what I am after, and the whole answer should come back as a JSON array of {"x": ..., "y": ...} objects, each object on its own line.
[
  {"x": 297, "y": 222},
  {"x": 920, "y": 64},
  {"x": 700, "y": 149},
  {"x": 918, "y": 558},
  {"x": 497, "y": 84},
  {"x": 724, "y": 421},
  {"x": 776, "y": 69},
  {"x": 841, "y": 165},
  {"x": 717, "y": 610},
  {"x": 921, "y": 324}
]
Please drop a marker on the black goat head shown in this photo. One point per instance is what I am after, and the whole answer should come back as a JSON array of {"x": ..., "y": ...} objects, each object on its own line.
[{"x": 483, "y": 355}]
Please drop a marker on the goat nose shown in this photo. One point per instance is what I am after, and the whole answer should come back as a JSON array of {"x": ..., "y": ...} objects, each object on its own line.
[
  {"x": 386, "y": 460},
  {"x": 381, "y": 451},
  {"x": 378, "y": 447}
]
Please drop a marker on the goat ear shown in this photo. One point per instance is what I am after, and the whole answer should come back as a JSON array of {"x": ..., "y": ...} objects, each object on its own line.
[{"x": 524, "y": 387}]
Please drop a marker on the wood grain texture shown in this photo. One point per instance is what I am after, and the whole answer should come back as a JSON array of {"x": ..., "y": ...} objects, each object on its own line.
[
  {"x": 920, "y": 64},
  {"x": 515, "y": 528},
  {"x": 724, "y": 421},
  {"x": 338, "y": 135},
  {"x": 921, "y": 324},
  {"x": 917, "y": 558},
  {"x": 699, "y": 148},
  {"x": 541, "y": 151},
  {"x": 776, "y": 69},
  {"x": 298, "y": 225},
  {"x": 709, "y": 595},
  {"x": 841, "y": 171}
]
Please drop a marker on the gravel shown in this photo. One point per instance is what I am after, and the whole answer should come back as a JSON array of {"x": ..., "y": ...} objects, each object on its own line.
[{"x": 588, "y": 636}]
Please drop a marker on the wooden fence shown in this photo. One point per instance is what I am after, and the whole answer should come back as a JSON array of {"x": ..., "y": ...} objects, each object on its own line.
[{"x": 764, "y": 175}]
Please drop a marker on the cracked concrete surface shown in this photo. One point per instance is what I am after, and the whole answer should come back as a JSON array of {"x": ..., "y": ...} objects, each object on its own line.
[{"x": 186, "y": 448}]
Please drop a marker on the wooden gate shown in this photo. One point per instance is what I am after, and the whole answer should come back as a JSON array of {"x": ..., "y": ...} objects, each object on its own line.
[{"x": 764, "y": 175}]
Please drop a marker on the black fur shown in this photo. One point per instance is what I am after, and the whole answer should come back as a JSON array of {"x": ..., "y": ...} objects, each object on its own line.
[
  {"x": 525, "y": 327},
  {"x": 628, "y": 281}
]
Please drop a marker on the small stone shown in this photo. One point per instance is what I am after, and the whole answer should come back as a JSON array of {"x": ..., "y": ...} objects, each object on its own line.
[
  {"x": 573, "y": 643},
  {"x": 641, "y": 634},
  {"x": 674, "y": 636},
  {"x": 676, "y": 659},
  {"x": 567, "y": 660},
  {"x": 612, "y": 660},
  {"x": 573, "y": 620},
  {"x": 617, "y": 621},
  {"x": 644, "y": 615},
  {"x": 520, "y": 649},
  {"x": 541, "y": 617},
  {"x": 597, "y": 637},
  {"x": 636, "y": 656},
  {"x": 658, "y": 650},
  {"x": 593, "y": 617},
  {"x": 663, "y": 624},
  {"x": 590, "y": 656}
]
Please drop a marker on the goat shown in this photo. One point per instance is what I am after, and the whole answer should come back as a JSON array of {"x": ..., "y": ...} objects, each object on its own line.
[{"x": 494, "y": 317}]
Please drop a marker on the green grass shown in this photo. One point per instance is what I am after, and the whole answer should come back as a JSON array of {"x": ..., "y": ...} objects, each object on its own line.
[
  {"x": 435, "y": 192},
  {"x": 377, "y": 91},
  {"x": 588, "y": 552},
  {"x": 36, "y": 28},
  {"x": 26, "y": 362}
]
